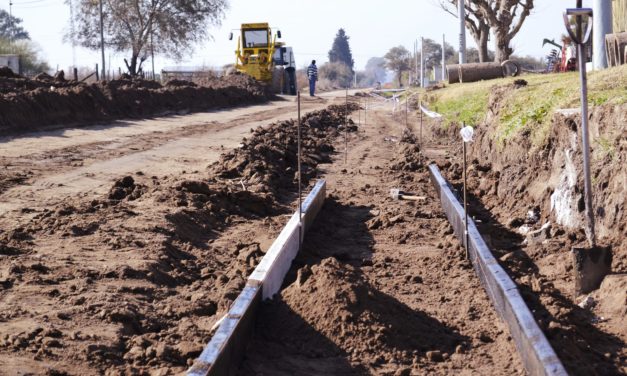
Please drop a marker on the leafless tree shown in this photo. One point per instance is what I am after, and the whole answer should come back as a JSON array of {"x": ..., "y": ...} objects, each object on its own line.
[{"x": 503, "y": 17}]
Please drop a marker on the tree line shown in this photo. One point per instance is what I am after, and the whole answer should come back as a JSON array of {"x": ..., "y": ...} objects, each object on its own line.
[{"x": 171, "y": 28}]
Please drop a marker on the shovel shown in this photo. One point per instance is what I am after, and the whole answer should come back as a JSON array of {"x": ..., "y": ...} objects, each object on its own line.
[{"x": 592, "y": 264}]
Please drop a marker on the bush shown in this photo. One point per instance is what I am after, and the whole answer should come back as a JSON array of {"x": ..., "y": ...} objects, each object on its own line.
[{"x": 337, "y": 75}]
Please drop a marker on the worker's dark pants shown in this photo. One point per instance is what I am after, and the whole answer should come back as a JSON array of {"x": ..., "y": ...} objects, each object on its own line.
[{"x": 312, "y": 86}]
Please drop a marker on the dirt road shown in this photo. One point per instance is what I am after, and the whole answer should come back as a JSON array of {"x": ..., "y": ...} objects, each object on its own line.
[{"x": 43, "y": 168}]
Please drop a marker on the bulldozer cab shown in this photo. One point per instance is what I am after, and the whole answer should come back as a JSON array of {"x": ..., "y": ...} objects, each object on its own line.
[
  {"x": 255, "y": 51},
  {"x": 256, "y": 38},
  {"x": 259, "y": 55}
]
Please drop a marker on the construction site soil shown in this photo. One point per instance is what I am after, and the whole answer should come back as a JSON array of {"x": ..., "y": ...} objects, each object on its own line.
[
  {"x": 134, "y": 281},
  {"x": 528, "y": 202},
  {"x": 45, "y": 101},
  {"x": 380, "y": 286}
]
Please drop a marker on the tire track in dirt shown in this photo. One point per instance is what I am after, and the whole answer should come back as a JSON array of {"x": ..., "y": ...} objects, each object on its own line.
[{"x": 186, "y": 143}]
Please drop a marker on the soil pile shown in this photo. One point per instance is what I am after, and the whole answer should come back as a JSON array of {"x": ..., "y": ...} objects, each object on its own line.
[
  {"x": 27, "y": 105},
  {"x": 133, "y": 282},
  {"x": 378, "y": 287},
  {"x": 267, "y": 162},
  {"x": 334, "y": 301}
]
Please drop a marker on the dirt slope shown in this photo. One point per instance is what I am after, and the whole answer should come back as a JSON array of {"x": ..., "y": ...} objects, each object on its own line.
[
  {"x": 27, "y": 105},
  {"x": 529, "y": 201}
]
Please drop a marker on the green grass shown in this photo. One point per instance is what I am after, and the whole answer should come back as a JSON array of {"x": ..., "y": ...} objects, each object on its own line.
[{"x": 528, "y": 109}]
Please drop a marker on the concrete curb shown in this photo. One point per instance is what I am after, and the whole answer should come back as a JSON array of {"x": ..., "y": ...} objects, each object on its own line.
[
  {"x": 536, "y": 352},
  {"x": 223, "y": 354}
]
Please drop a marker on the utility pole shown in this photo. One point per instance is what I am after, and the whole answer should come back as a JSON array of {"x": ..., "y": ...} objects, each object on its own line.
[
  {"x": 422, "y": 62},
  {"x": 11, "y": 25},
  {"x": 152, "y": 49},
  {"x": 462, "y": 31},
  {"x": 102, "y": 75},
  {"x": 73, "y": 32},
  {"x": 443, "y": 57},
  {"x": 416, "y": 58},
  {"x": 602, "y": 25}
]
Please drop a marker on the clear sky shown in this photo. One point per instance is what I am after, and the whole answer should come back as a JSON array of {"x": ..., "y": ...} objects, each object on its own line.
[{"x": 308, "y": 26}]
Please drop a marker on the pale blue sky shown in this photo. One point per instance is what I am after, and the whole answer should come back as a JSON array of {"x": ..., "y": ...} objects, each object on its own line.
[{"x": 308, "y": 26}]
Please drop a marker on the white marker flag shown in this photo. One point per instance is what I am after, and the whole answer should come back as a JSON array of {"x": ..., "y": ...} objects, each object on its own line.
[
  {"x": 467, "y": 132},
  {"x": 430, "y": 114}
]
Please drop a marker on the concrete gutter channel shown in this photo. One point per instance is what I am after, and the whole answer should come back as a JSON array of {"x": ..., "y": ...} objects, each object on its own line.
[
  {"x": 538, "y": 357},
  {"x": 225, "y": 351}
]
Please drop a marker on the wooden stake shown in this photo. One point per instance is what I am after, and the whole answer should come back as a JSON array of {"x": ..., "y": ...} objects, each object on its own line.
[{"x": 300, "y": 216}]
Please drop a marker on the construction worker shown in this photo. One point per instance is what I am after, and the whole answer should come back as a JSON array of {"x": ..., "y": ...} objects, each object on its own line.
[{"x": 312, "y": 75}]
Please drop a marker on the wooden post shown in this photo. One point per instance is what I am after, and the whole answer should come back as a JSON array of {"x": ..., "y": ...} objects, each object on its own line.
[
  {"x": 366, "y": 114},
  {"x": 346, "y": 129},
  {"x": 420, "y": 108},
  {"x": 300, "y": 204},
  {"x": 75, "y": 74},
  {"x": 97, "y": 73}
]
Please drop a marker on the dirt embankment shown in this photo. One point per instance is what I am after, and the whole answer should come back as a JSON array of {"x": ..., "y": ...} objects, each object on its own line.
[
  {"x": 529, "y": 204},
  {"x": 133, "y": 282},
  {"x": 27, "y": 105}
]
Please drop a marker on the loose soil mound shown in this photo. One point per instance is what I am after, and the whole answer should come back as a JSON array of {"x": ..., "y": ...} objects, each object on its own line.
[
  {"x": 267, "y": 162},
  {"x": 27, "y": 105},
  {"x": 133, "y": 282},
  {"x": 379, "y": 287}
]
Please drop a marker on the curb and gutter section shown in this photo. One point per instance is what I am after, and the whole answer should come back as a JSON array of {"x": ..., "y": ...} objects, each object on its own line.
[
  {"x": 225, "y": 350},
  {"x": 538, "y": 357}
]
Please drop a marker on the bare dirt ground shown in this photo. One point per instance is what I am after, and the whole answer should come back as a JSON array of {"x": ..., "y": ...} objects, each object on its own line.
[
  {"x": 589, "y": 338},
  {"x": 381, "y": 287},
  {"x": 511, "y": 193},
  {"x": 119, "y": 249}
]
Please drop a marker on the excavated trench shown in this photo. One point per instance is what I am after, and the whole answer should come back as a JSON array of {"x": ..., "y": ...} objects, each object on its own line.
[{"x": 528, "y": 202}]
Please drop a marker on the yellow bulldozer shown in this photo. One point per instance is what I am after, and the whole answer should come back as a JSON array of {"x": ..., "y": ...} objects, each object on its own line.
[{"x": 260, "y": 56}]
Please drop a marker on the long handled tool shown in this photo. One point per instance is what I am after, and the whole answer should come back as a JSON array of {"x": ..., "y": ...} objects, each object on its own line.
[
  {"x": 594, "y": 263},
  {"x": 397, "y": 194}
]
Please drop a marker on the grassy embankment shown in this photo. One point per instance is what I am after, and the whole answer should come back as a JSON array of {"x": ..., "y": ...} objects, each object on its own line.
[{"x": 529, "y": 108}]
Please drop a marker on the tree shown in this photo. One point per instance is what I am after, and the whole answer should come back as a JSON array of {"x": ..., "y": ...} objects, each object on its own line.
[
  {"x": 473, "y": 55},
  {"x": 10, "y": 28},
  {"x": 503, "y": 17},
  {"x": 338, "y": 74},
  {"x": 433, "y": 53},
  {"x": 341, "y": 50},
  {"x": 397, "y": 59},
  {"x": 173, "y": 25},
  {"x": 374, "y": 72},
  {"x": 30, "y": 63}
]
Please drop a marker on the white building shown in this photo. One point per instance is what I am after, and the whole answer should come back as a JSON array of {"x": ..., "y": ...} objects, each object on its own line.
[{"x": 11, "y": 61}]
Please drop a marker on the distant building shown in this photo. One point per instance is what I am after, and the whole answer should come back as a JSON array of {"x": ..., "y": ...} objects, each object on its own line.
[{"x": 11, "y": 61}]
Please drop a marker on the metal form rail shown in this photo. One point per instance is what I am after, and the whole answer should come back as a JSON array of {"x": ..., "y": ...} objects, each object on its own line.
[
  {"x": 223, "y": 354},
  {"x": 538, "y": 357}
]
